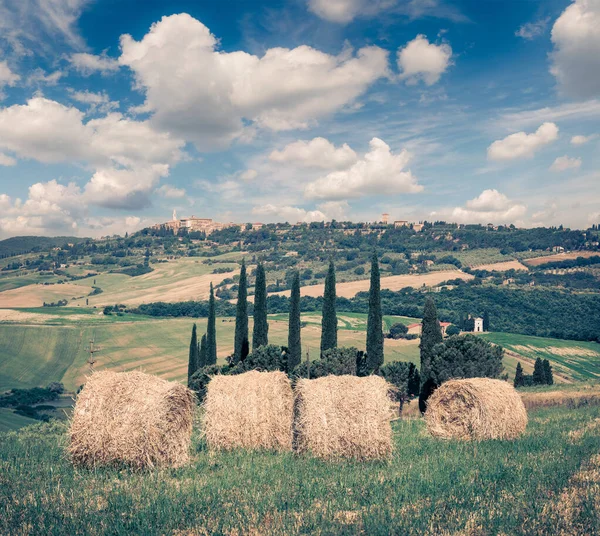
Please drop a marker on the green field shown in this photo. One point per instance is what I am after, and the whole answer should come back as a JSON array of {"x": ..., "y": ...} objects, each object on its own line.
[
  {"x": 576, "y": 360},
  {"x": 543, "y": 483},
  {"x": 10, "y": 421},
  {"x": 34, "y": 355}
]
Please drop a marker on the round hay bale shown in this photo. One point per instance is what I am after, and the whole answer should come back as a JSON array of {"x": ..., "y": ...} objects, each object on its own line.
[
  {"x": 476, "y": 408},
  {"x": 344, "y": 416},
  {"x": 132, "y": 419},
  {"x": 253, "y": 410}
]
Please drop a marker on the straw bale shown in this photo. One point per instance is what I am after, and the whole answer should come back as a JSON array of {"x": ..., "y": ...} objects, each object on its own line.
[
  {"x": 253, "y": 410},
  {"x": 344, "y": 416},
  {"x": 476, "y": 408},
  {"x": 132, "y": 419}
]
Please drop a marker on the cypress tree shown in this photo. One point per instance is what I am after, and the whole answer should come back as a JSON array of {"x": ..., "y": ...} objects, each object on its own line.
[
  {"x": 431, "y": 334},
  {"x": 548, "y": 372},
  {"x": 193, "y": 360},
  {"x": 202, "y": 352},
  {"x": 211, "y": 331},
  {"x": 294, "y": 355},
  {"x": 486, "y": 321},
  {"x": 539, "y": 375},
  {"x": 329, "y": 317},
  {"x": 241, "y": 346},
  {"x": 374, "y": 321},
  {"x": 260, "y": 333},
  {"x": 519, "y": 379}
]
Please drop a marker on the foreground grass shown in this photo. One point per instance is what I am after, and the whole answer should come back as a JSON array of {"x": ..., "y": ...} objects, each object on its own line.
[{"x": 534, "y": 485}]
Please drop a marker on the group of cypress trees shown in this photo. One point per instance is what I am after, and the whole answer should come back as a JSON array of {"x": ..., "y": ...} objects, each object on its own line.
[
  {"x": 542, "y": 374},
  {"x": 205, "y": 353}
]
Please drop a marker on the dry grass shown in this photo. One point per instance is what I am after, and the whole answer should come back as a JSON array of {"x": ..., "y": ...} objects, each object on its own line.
[
  {"x": 132, "y": 419},
  {"x": 572, "y": 399},
  {"x": 537, "y": 261},
  {"x": 253, "y": 410},
  {"x": 393, "y": 282},
  {"x": 476, "y": 408},
  {"x": 501, "y": 266},
  {"x": 344, "y": 416},
  {"x": 36, "y": 295}
]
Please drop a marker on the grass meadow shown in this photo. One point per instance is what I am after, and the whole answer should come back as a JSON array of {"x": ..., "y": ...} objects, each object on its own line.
[{"x": 547, "y": 482}]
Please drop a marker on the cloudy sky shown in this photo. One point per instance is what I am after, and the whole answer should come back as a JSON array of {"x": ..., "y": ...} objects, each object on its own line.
[{"x": 112, "y": 115}]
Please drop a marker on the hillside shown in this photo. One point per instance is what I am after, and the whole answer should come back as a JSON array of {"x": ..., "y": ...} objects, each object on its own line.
[{"x": 18, "y": 245}]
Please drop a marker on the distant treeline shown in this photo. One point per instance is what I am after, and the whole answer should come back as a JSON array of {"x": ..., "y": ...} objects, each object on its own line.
[
  {"x": 536, "y": 311},
  {"x": 18, "y": 245}
]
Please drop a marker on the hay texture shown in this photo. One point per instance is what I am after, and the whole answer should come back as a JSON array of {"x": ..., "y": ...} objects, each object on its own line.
[
  {"x": 132, "y": 419},
  {"x": 253, "y": 410},
  {"x": 344, "y": 416},
  {"x": 476, "y": 408}
]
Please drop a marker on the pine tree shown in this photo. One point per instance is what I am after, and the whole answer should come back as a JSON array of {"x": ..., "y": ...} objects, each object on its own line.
[
  {"x": 294, "y": 355},
  {"x": 260, "y": 334},
  {"x": 202, "y": 352},
  {"x": 519, "y": 378},
  {"x": 211, "y": 331},
  {"x": 431, "y": 334},
  {"x": 241, "y": 345},
  {"x": 193, "y": 360},
  {"x": 549, "y": 377},
  {"x": 486, "y": 321},
  {"x": 539, "y": 375},
  {"x": 329, "y": 318},
  {"x": 374, "y": 321}
]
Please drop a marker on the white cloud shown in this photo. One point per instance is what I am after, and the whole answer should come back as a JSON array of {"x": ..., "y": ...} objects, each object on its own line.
[
  {"x": 316, "y": 153},
  {"x": 422, "y": 60},
  {"x": 88, "y": 64},
  {"x": 129, "y": 157},
  {"x": 344, "y": 11},
  {"x": 576, "y": 39},
  {"x": 521, "y": 144},
  {"x": 573, "y": 111},
  {"x": 98, "y": 102},
  {"x": 531, "y": 30},
  {"x": 324, "y": 212},
  {"x": 210, "y": 97},
  {"x": 39, "y": 77},
  {"x": 7, "y": 77},
  {"x": 490, "y": 206},
  {"x": 26, "y": 24},
  {"x": 581, "y": 140},
  {"x": 562, "y": 163},
  {"x": 379, "y": 172},
  {"x": 248, "y": 175},
  {"x": 171, "y": 192},
  {"x": 6, "y": 160}
]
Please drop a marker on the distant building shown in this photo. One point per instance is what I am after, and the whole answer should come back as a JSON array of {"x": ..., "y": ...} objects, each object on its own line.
[
  {"x": 385, "y": 218},
  {"x": 558, "y": 249},
  {"x": 192, "y": 224},
  {"x": 400, "y": 223},
  {"x": 256, "y": 226},
  {"x": 478, "y": 326},
  {"x": 418, "y": 227}
]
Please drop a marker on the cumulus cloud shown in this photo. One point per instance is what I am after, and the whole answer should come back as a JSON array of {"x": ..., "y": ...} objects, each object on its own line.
[
  {"x": 562, "y": 163},
  {"x": 39, "y": 77},
  {"x": 171, "y": 192},
  {"x": 87, "y": 64},
  {"x": 576, "y": 40},
  {"x": 490, "y": 206},
  {"x": 581, "y": 140},
  {"x": 208, "y": 96},
  {"x": 129, "y": 157},
  {"x": 379, "y": 172},
  {"x": 531, "y": 30},
  {"x": 422, "y": 60},
  {"x": 521, "y": 144},
  {"x": 324, "y": 212},
  {"x": 316, "y": 153},
  {"x": 7, "y": 77}
]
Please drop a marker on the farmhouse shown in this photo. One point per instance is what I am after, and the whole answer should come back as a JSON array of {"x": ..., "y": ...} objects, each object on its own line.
[{"x": 478, "y": 326}]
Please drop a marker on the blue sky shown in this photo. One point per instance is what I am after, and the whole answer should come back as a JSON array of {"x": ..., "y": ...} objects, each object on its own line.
[{"x": 114, "y": 113}]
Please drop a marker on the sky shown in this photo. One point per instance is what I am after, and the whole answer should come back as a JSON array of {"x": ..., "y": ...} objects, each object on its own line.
[{"x": 114, "y": 113}]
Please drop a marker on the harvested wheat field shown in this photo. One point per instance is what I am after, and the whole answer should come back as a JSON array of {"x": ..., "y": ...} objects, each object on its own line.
[
  {"x": 344, "y": 416},
  {"x": 538, "y": 261},
  {"x": 502, "y": 266},
  {"x": 36, "y": 295},
  {"x": 253, "y": 410},
  {"x": 131, "y": 419},
  {"x": 476, "y": 408},
  {"x": 393, "y": 282}
]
